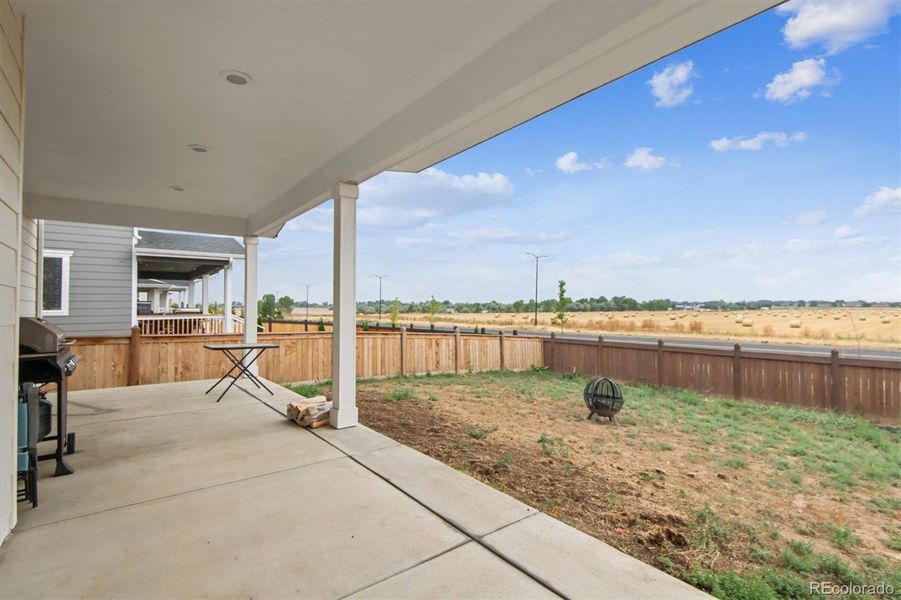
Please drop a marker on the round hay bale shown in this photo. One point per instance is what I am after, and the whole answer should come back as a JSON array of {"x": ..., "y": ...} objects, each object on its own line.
[
  {"x": 862, "y": 317},
  {"x": 837, "y": 317},
  {"x": 886, "y": 320},
  {"x": 795, "y": 324},
  {"x": 747, "y": 322},
  {"x": 739, "y": 320}
]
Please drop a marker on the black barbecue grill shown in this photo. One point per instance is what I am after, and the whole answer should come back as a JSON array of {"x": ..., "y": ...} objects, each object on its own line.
[
  {"x": 45, "y": 357},
  {"x": 604, "y": 398}
]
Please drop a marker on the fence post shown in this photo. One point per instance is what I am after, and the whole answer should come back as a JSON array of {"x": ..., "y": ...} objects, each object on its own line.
[
  {"x": 403, "y": 348},
  {"x": 660, "y": 363},
  {"x": 134, "y": 356},
  {"x": 736, "y": 372},
  {"x": 553, "y": 359},
  {"x": 836, "y": 402},
  {"x": 501, "y": 342},
  {"x": 456, "y": 349},
  {"x": 600, "y": 356}
]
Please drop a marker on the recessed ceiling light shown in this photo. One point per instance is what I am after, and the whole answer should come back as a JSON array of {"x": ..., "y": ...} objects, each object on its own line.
[
  {"x": 236, "y": 77},
  {"x": 176, "y": 188},
  {"x": 198, "y": 148}
]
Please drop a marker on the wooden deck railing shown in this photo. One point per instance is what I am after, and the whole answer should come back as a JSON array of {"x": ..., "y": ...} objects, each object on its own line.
[{"x": 187, "y": 324}]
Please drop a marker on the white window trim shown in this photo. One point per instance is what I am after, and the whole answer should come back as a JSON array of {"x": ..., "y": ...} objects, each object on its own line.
[{"x": 65, "y": 255}]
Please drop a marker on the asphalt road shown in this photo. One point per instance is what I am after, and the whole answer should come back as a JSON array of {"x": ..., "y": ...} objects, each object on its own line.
[{"x": 845, "y": 351}]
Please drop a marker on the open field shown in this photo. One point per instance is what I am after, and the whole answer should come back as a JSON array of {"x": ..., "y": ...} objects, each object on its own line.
[
  {"x": 872, "y": 327},
  {"x": 745, "y": 500}
]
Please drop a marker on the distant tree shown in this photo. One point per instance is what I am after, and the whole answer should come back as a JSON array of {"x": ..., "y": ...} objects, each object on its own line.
[
  {"x": 285, "y": 305},
  {"x": 267, "y": 308},
  {"x": 433, "y": 310},
  {"x": 394, "y": 314},
  {"x": 560, "y": 305}
]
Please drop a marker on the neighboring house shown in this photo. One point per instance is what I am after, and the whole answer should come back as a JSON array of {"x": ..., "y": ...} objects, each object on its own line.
[{"x": 93, "y": 275}]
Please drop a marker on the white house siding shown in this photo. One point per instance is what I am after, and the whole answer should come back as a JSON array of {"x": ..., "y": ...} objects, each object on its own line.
[
  {"x": 28, "y": 272},
  {"x": 100, "y": 277},
  {"x": 11, "y": 131}
]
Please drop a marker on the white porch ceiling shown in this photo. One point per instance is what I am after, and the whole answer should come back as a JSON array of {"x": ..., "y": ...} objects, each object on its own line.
[{"x": 341, "y": 91}]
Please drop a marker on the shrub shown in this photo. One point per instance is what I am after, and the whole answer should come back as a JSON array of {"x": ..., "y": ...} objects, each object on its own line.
[
  {"x": 478, "y": 432},
  {"x": 696, "y": 326}
]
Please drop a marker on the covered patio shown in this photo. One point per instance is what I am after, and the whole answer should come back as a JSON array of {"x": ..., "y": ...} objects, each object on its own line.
[{"x": 177, "y": 496}]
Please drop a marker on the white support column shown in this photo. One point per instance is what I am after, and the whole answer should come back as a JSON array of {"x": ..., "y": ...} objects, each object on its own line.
[
  {"x": 251, "y": 251},
  {"x": 155, "y": 300},
  {"x": 192, "y": 295},
  {"x": 344, "y": 298},
  {"x": 205, "y": 295},
  {"x": 227, "y": 302}
]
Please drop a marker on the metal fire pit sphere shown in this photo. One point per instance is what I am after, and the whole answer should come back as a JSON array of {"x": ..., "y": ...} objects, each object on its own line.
[{"x": 604, "y": 398}]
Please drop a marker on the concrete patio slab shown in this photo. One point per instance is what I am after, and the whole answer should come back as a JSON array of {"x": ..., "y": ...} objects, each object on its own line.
[
  {"x": 355, "y": 440},
  {"x": 469, "y": 571},
  {"x": 469, "y": 504},
  {"x": 320, "y": 531},
  {"x": 175, "y": 496},
  {"x": 113, "y": 404},
  {"x": 577, "y": 565},
  {"x": 122, "y": 462}
]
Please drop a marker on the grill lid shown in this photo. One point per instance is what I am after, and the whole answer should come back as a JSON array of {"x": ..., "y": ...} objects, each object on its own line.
[{"x": 37, "y": 336}]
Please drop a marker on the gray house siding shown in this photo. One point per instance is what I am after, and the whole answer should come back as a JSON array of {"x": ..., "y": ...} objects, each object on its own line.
[{"x": 100, "y": 277}]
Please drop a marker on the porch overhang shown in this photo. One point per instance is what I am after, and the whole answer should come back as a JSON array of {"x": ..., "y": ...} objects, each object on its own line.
[{"x": 338, "y": 92}]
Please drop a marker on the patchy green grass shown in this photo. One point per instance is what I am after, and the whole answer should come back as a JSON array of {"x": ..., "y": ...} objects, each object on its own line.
[
  {"x": 787, "y": 452},
  {"x": 309, "y": 390},
  {"x": 478, "y": 432},
  {"x": 401, "y": 393}
]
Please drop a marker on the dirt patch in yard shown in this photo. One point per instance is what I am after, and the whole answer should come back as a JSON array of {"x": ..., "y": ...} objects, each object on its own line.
[{"x": 705, "y": 488}]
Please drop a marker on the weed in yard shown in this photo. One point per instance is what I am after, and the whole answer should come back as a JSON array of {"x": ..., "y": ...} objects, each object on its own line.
[
  {"x": 735, "y": 462},
  {"x": 888, "y": 506},
  {"x": 402, "y": 393},
  {"x": 478, "y": 432},
  {"x": 664, "y": 447},
  {"x": 798, "y": 556},
  {"x": 795, "y": 477},
  {"x": 710, "y": 531},
  {"x": 842, "y": 538},
  {"x": 553, "y": 446},
  {"x": 760, "y": 554},
  {"x": 781, "y": 464},
  {"x": 433, "y": 397},
  {"x": 505, "y": 461},
  {"x": 894, "y": 542}
]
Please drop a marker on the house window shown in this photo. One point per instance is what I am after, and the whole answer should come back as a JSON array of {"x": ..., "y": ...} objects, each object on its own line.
[{"x": 56, "y": 282}]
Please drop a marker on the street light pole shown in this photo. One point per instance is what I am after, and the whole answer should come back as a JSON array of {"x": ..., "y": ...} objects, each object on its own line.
[
  {"x": 537, "y": 257},
  {"x": 307, "y": 304},
  {"x": 380, "y": 294}
]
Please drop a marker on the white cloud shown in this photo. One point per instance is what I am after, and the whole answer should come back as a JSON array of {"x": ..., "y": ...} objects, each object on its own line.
[
  {"x": 569, "y": 163},
  {"x": 777, "y": 138},
  {"x": 402, "y": 200},
  {"x": 836, "y": 24},
  {"x": 844, "y": 232},
  {"x": 811, "y": 217},
  {"x": 799, "y": 83},
  {"x": 671, "y": 86},
  {"x": 885, "y": 199},
  {"x": 644, "y": 158}
]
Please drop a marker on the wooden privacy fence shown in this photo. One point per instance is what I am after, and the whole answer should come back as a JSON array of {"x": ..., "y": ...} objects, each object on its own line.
[
  {"x": 863, "y": 386},
  {"x": 111, "y": 362}
]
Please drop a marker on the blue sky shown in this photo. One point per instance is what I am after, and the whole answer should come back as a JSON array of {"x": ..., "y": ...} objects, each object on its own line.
[{"x": 764, "y": 162}]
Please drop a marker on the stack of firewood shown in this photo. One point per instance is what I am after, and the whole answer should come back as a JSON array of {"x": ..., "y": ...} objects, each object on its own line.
[{"x": 310, "y": 412}]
